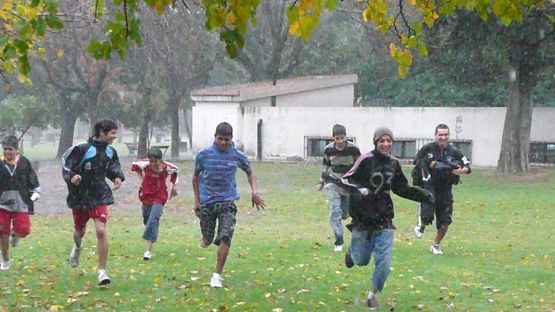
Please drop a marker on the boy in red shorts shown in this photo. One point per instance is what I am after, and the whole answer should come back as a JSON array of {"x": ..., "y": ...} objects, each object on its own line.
[
  {"x": 19, "y": 188},
  {"x": 85, "y": 168},
  {"x": 153, "y": 173}
]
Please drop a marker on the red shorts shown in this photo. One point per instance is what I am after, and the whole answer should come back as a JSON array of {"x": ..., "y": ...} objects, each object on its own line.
[
  {"x": 21, "y": 223},
  {"x": 80, "y": 217}
]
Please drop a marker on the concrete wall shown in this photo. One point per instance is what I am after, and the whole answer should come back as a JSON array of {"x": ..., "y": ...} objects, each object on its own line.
[
  {"x": 208, "y": 115},
  {"x": 336, "y": 96},
  {"x": 285, "y": 128}
]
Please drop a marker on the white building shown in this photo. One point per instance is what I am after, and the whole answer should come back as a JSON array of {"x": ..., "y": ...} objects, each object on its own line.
[{"x": 294, "y": 118}]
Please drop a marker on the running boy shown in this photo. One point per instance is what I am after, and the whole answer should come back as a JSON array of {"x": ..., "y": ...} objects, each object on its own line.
[
  {"x": 85, "y": 168},
  {"x": 153, "y": 173},
  {"x": 216, "y": 192},
  {"x": 339, "y": 157},
  {"x": 376, "y": 175},
  {"x": 19, "y": 188}
]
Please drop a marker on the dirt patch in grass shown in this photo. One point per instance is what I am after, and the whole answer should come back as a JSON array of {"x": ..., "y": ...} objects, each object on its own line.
[{"x": 535, "y": 175}]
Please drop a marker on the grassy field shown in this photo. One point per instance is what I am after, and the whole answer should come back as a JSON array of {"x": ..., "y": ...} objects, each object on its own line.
[
  {"x": 47, "y": 150},
  {"x": 498, "y": 256}
]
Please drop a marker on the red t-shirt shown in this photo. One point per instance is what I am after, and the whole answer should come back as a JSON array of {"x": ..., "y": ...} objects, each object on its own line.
[{"x": 154, "y": 189}]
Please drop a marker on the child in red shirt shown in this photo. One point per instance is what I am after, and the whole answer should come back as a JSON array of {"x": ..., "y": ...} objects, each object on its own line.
[{"x": 153, "y": 193}]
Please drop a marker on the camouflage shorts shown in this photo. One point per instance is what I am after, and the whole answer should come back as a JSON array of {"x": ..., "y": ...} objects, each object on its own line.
[{"x": 224, "y": 213}]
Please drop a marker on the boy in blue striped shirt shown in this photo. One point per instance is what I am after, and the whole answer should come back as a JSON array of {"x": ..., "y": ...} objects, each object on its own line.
[{"x": 215, "y": 192}]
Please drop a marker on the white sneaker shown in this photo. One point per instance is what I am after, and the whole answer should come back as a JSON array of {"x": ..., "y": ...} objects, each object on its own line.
[
  {"x": 216, "y": 281},
  {"x": 338, "y": 248},
  {"x": 74, "y": 256},
  {"x": 14, "y": 240},
  {"x": 5, "y": 265},
  {"x": 103, "y": 278},
  {"x": 436, "y": 250},
  {"x": 147, "y": 255},
  {"x": 417, "y": 232},
  {"x": 419, "y": 229},
  {"x": 371, "y": 301}
]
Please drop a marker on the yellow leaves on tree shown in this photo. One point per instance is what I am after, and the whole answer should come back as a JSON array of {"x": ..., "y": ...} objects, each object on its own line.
[{"x": 22, "y": 23}]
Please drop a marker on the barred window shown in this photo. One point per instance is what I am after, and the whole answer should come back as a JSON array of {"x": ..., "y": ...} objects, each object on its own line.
[
  {"x": 465, "y": 146},
  {"x": 542, "y": 152},
  {"x": 404, "y": 148},
  {"x": 314, "y": 146}
]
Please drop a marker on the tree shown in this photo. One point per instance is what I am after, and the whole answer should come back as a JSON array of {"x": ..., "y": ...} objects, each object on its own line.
[
  {"x": 527, "y": 50},
  {"x": 20, "y": 113},
  {"x": 184, "y": 60},
  {"x": 74, "y": 76},
  {"x": 22, "y": 24},
  {"x": 270, "y": 53}
]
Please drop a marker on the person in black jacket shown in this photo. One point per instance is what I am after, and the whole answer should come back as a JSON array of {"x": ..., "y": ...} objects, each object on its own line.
[
  {"x": 19, "y": 188},
  {"x": 85, "y": 169},
  {"x": 373, "y": 176},
  {"x": 438, "y": 166}
]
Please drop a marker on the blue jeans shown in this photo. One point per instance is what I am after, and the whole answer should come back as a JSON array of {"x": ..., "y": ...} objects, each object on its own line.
[
  {"x": 151, "y": 220},
  {"x": 339, "y": 209},
  {"x": 381, "y": 244}
]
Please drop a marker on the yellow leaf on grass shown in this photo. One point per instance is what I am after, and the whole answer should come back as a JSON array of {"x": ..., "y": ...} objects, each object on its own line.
[{"x": 60, "y": 53}]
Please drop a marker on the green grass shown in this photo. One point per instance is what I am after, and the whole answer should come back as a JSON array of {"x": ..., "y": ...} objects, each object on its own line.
[
  {"x": 48, "y": 150},
  {"x": 498, "y": 256}
]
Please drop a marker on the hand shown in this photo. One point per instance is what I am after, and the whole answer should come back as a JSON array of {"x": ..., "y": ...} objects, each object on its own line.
[
  {"x": 173, "y": 193},
  {"x": 460, "y": 171},
  {"x": 35, "y": 196},
  {"x": 196, "y": 209},
  {"x": 429, "y": 197},
  {"x": 319, "y": 186},
  {"x": 75, "y": 180},
  {"x": 117, "y": 184},
  {"x": 257, "y": 201},
  {"x": 364, "y": 191}
]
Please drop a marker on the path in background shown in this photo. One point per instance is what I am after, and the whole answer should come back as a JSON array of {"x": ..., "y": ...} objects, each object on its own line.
[{"x": 54, "y": 189}]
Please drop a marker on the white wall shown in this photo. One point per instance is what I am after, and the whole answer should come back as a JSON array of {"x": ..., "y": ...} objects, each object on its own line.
[
  {"x": 335, "y": 96},
  {"x": 284, "y": 128},
  {"x": 208, "y": 115}
]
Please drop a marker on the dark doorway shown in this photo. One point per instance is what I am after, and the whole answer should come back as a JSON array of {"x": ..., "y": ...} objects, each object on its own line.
[{"x": 259, "y": 140}]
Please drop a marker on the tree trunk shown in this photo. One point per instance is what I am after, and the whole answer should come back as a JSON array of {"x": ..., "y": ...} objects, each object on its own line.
[
  {"x": 143, "y": 137},
  {"x": 515, "y": 144},
  {"x": 69, "y": 118},
  {"x": 174, "y": 111}
]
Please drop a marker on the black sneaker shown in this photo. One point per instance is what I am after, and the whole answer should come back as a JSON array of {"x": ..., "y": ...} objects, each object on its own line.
[
  {"x": 349, "y": 263},
  {"x": 338, "y": 241}
]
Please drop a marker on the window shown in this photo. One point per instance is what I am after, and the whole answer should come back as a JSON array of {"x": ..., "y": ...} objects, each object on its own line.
[
  {"x": 314, "y": 146},
  {"x": 465, "y": 146},
  {"x": 542, "y": 152},
  {"x": 404, "y": 148}
]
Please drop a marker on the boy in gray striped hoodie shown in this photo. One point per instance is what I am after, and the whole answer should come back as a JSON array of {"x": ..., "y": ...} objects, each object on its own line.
[{"x": 339, "y": 157}]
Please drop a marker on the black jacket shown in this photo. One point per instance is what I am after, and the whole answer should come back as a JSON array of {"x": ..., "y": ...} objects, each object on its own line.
[
  {"x": 94, "y": 161},
  {"x": 379, "y": 174},
  {"x": 16, "y": 187},
  {"x": 440, "y": 178}
]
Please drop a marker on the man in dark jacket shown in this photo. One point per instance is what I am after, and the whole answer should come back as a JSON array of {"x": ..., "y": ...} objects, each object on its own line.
[
  {"x": 375, "y": 175},
  {"x": 438, "y": 166},
  {"x": 85, "y": 169}
]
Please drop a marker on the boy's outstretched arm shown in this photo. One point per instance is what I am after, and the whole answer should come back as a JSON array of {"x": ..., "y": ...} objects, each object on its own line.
[{"x": 255, "y": 198}]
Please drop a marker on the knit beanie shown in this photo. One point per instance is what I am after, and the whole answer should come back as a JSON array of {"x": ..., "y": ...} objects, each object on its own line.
[
  {"x": 338, "y": 130},
  {"x": 380, "y": 132}
]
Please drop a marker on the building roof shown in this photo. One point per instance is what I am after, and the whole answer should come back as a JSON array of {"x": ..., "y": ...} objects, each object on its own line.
[{"x": 262, "y": 89}]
